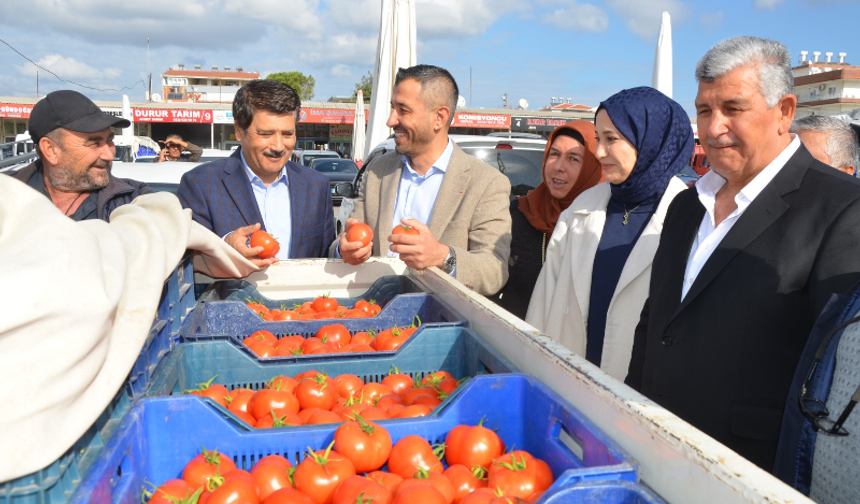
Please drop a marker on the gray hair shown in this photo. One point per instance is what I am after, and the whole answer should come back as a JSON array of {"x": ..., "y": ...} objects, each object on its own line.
[
  {"x": 56, "y": 136},
  {"x": 771, "y": 59},
  {"x": 841, "y": 146}
]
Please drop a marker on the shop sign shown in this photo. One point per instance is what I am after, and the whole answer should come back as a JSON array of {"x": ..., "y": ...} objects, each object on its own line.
[
  {"x": 491, "y": 121},
  {"x": 521, "y": 123},
  {"x": 222, "y": 116},
  {"x": 340, "y": 133},
  {"x": 15, "y": 111},
  {"x": 327, "y": 116},
  {"x": 172, "y": 115}
]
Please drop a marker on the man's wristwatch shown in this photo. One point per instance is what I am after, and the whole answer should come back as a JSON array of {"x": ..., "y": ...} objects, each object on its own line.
[{"x": 450, "y": 262}]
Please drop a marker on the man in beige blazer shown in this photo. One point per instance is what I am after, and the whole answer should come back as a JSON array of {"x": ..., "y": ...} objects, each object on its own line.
[{"x": 457, "y": 203}]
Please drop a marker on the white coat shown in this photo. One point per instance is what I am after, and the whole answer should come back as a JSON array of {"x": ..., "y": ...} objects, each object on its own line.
[{"x": 560, "y": 302}]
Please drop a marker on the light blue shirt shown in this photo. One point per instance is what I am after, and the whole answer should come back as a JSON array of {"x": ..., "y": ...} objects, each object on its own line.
[
  {"x": 416, "y": 195},
  {"x": 274, "y": 204}
]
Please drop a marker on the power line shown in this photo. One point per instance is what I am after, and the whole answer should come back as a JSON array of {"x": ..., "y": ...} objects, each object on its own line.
[{"x": 140, "y": 81}]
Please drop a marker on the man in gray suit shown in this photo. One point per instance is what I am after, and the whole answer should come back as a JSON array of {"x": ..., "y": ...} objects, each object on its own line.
[{"x": 457, "y": 203}]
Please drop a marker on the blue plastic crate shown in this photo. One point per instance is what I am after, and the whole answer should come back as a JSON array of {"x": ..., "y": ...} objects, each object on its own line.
[
  {"x": 457, "y": 350},
  {"x": 603, "y": 492},
  {"x": 56, "y": 482},
  {"x": 160, "y": 435},
  {"x": 382, "y": 291},
  {"x": 234, "y": 320},
  {"x": 177, "y": 300}
]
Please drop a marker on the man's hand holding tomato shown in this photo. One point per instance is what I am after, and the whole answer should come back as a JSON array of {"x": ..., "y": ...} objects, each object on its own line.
[
  {"x": 354, "y": 252},
  {"x": 238, "y": 239},
  {"x": 418, "y": 251}
]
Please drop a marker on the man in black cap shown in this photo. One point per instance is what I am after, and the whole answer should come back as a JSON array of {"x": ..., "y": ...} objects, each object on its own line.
[{"x": 75, "y": 147}]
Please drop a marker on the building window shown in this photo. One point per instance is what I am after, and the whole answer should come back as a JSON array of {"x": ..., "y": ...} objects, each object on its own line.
[{"x": 831, "y": 91}]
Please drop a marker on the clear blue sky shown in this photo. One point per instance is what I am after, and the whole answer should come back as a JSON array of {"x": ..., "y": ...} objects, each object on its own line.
[{"x": 532, "y": 49}]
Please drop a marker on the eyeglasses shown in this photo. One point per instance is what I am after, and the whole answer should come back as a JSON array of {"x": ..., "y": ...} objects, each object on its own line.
[
  {"x": 816, "y": 410},
  {"x": 173, "y": 146}
]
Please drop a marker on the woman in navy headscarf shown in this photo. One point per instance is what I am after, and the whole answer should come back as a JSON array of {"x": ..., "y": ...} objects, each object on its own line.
[{"x": 595, "y": 281}]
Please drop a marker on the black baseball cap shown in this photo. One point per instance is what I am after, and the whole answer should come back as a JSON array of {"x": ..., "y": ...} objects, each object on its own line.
[{"x": 71, "y": 110}]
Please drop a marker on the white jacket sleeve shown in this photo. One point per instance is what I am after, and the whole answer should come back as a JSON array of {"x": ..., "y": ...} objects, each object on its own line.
[{"x": 78, "y": 300}]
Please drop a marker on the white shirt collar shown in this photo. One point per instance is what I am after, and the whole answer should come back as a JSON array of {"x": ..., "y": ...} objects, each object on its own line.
[
  {"x": 711, "y": 182},
  {"x": 254, "y": 177},
  {"x": 441, "y": 164}
]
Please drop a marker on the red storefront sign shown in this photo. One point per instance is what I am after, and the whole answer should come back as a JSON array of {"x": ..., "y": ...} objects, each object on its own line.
[
  {"x": 15, "y": 111},
  {"x": 327, "y": 116},
  {"x": 172, "y": 115},
  {"x": 491, "y": 121}
]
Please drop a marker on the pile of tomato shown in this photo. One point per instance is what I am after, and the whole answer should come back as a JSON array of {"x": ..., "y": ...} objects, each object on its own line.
[
  {"x": 312, "y": 397},
  {"x": 331, "y": 338},
  {"x": 350, "y": 471},
  {"x": 322, "y": 307}
]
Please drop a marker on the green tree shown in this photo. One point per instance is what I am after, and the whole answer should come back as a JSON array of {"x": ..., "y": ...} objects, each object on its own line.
[
  {"x": 303, "y": 84},
  {"x": 366, "y": 86}
]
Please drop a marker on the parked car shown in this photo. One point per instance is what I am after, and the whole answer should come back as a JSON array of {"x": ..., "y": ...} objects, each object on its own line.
[
  {"x": 520, "y": 159},
  {"x": 144, "y": 159},
  {"x": 163, "y": 176},
  {"x": 306, "y": 156},
  {"x": 688, "y": 176},
  {"x": 214, "y": 154},
  {"x": 336, "y": 170}
]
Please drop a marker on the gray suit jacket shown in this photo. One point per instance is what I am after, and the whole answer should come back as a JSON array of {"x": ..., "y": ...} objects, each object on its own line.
[{"x": 470, "y": 214}]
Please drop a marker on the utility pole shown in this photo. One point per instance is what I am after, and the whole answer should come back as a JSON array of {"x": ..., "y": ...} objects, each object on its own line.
[
  {"x": 37, "y": 83},
  {"x": 470, "y": 86},
  {"x": 149, "y": 72},
  {"x": 505, "y": 99}
]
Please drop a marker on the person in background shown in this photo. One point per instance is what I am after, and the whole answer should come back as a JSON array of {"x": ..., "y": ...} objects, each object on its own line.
[
  {"x": 748, "y": 258},
  {"x": 457, "y": 203},
  {"x": 77, "y": 309},
  {"x": 569, "y": 168},
  {"x": 74, "y": 142},
  {"x": 173, "y": 149},
  {"x": 258, "y": 186},
  {"x": 598, "y": 263},
  {"x": 829, "y": 140}
]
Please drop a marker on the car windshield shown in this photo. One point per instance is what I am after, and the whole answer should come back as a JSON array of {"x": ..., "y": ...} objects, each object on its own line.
[
  {"x": 163, "y": 187},
  {"x": 310, "y": 157},
  {"x": 335, "y": 166},
  {"x": 120, "y": 152},
  {"x": 522, "y": 166}
]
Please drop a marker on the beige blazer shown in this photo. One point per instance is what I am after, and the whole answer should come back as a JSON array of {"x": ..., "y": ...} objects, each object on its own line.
[
  {"x": 470, "y": 214},
  {"x": 560, "y": 302}
]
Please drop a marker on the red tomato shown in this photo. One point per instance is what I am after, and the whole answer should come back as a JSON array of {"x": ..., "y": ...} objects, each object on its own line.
[
  {"x": 245, "y": 417},
  {"x": 239, "y": 401},
  {"x": 362, "y": 305},
  {"x": 412, "y": 453},
  {"x": 373, "y": 391},
  {"x": 473, "y": 446},
  {"x": 286, "y": 383},
  {"x": 480, "y": 496},
  {"x": 369, "y": 490},
  {"x": 287, "y": 495},
  {"x": 360, "y": 232},
  {"x": 334, "y": 334},
  {"x": 263, "y": 239},
  {"x": 271, "y": 474},
  {"x": 267, "y": 400},
  {"x": 398, "y": 381},
  {"x": 434, "y": 479},
  {"x": 321, "y": 416},
  {"x": 278, "y": 418},
  {"x": 324, "y": 303},
  {"x": 319, "y": 474},
  {"x": 401, "y": 229},
  {"x": 425, "y": 494},
  {"x": 286, "y": 315},
  {"x": 262, "y": 335},
  {"x": 414, "y": 411},
  {"x": 364, "y": 443},
  {"x": 386, "y": 479},
  {"x": 262, "y": 349},
  {"x": 238, "y": 486},
  {"x": 373, "y": 413},
  {"x": 217, "y": 393},
  {"x": 258, "y": 308},
  {"x": 518, "y": 474},
  {"x": 364, "y": 337},
  {"x": 348, "y": 385},
  {"x": 426, "y": 400},
  {"x": 411, "y": 394},
  {"x": 322, "y": 349},
  {"x": 390, "y": 339},
  {"x": 297, "y": 339},
  {"x": 176, "y": 488},
  {"x": 388, "y": 400},
  {"x": 434, "y": 378},
  {"x": 374, "y": 309},
  {"x": 464, "y": 480},
  {"x": 205, "y": 465},
  {"x": 319, "y": 391},
  {"x": 306, "y": 374},
  {"x": 362, "y": 349}
]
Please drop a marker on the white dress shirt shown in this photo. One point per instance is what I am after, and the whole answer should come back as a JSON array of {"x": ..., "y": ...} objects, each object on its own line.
[
  {"x": 710, "y": 235},
  {"x": 274, "y": 204}
]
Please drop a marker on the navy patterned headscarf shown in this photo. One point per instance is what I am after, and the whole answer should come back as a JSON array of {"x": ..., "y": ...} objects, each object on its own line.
[{"x": 660, "y": 131}]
